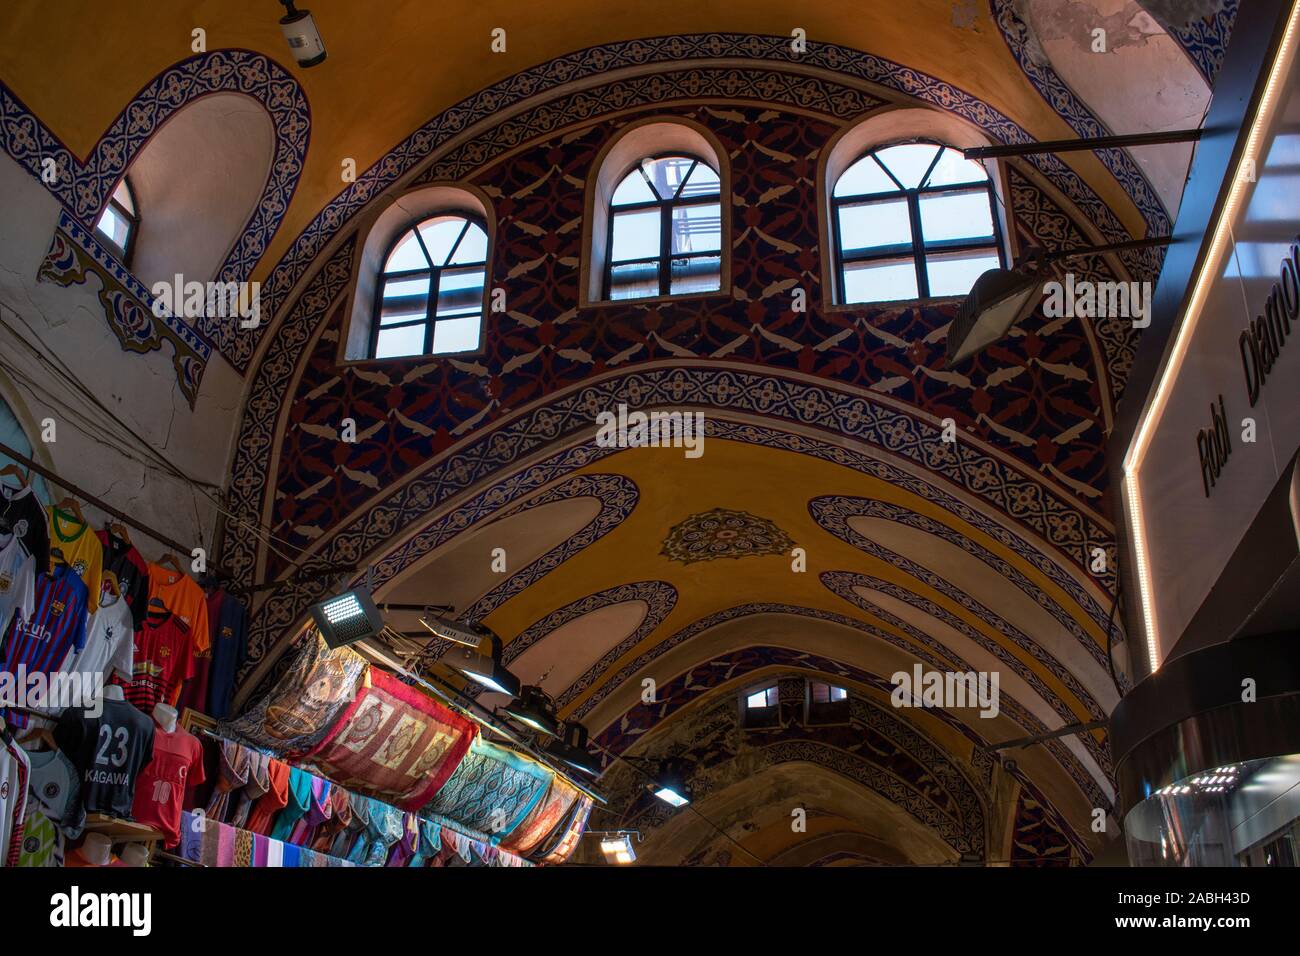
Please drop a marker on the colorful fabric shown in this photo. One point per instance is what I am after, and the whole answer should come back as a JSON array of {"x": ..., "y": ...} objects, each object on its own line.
[
  {"x": 131, "y": 571},
  {"x": 305, "y": 706},
  {"x": 182, "y": 595},
  {"x": 545, "y": 817},
  {"x": 395, "y": 743},
  {"x": 430, "y": 843},
  {"x": 81, "y": 550},
  {"x": 319, "y": 809},
  {"x": 274, "y": 800},
  {"x": 259, "y": 782},
  {"x": 163, "y": 659},
  {"x": 300, "y": 784},
  {"x": 235, "y": 763},
  {"x": 41, "y": 641},
  {"x": 492, "y": 790},
  {"x": 566, "y": 839},
  {"x": 177, "y": 761}
]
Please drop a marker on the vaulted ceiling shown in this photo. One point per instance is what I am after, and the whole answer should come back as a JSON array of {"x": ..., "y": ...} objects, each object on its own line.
[{"x": 828, "y": 531}]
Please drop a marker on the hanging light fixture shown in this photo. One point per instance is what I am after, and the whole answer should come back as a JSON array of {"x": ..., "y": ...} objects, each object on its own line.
[
  {"x": 999, "y": 299},
  {"x": 347, "y": 618},
  {"x": 467, "y": 635},
  {"x": 617, "y": 848},
  {"x": 669, "y": 784},
  {"x": 571, "y": 750},
  {"x": 300, "y": 33},
  {"x": 535, "y": 710},
  {"x": 485, "y": 669}
]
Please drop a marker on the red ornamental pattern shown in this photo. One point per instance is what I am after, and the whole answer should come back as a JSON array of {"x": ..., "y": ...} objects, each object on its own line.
[{"x": 1036, "y": 395}]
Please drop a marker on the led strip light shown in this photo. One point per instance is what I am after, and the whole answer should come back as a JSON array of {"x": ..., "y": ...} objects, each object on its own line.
[{"x": 1205, "y": 278}]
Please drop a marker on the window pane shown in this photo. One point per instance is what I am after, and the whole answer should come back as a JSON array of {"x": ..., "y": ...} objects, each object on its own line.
[
  {"x": 456, "y": 335},
  {"x": 955, "y": 273},
  {"x": 667, "y": 174},
  {"x": 113, "y": 227},
  {"x": 697, "y": 228},
  {"x": 439, "y": 234},
  {"x": 406, "y": 255},
  {"x": 634, "y": 281},
  {"x": 397, "y": 342},
  {"x": 633, "y": 189},
  {"x": 702, "y": 182},
  {"x": 879, "y": 281},
  {"x": 122, "y": 193},
  {"x": 460, "y": 291},
  {"x": 953, "y": 168},
  {"x": 636, "y": 235},
  {"x": 864, "y": 176},
  {"x": 875, "y": 224},
  {"x": 908, "y": 162},
  {"x": 473, "y": 247},
  {"x": 697, "y": 274},
  {"x": 956, "y": 216},
  {"x": 404, "y": 300}
]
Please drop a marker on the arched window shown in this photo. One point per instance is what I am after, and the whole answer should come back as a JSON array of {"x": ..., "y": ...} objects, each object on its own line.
[
  {"x": 429, "y": 300},
  {"x": 120, "y": 221},
  {"x": 912, "y": 221},
  {"x": 665, "y": 230}
]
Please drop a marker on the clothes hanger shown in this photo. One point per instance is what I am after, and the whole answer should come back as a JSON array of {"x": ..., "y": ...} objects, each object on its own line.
[
  {"x": 119, "y": 531},
  {"x": 56, "y": 556},
  {"x": 170, "y": 560},
  {"x": 70, "y": 505},
  {"x": 12, "y": 469}
]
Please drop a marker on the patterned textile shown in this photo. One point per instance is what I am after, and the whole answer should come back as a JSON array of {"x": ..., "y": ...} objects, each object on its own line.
[
  {"x": 235, "y": 762},
  {"x": 304, "y": 708},
  {"x": 394, "y": 742},
  {"x": 430, "y": 843},
  {"x": 566, "y": 840},
  {"x": 217, "y": 844},
  {"x": 549, "y": 813},
  {"x": 259, "y": 782},
  {"x": 492, "y": 790}
]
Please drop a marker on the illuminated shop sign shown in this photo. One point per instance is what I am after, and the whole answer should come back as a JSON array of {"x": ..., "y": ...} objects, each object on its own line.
[{"x": 1223, "y": 420}]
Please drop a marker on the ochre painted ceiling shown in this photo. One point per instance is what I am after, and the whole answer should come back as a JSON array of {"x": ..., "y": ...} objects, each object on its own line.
[{"x": 393, "y": 66}]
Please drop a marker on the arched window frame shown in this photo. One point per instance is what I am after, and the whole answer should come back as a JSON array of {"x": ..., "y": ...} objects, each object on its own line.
[
  {"x": 434, "y": 272},
  {"x": 131, "y": 216},
  {"x": 666, "y": 208},
  {"x": 918, "y": 249},
  {"x": 648, "y": 137}
]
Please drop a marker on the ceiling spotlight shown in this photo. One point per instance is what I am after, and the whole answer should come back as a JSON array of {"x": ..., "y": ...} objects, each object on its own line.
[
  {"x": 467, "y": 635},
  {"x": 617, "y": 848},
  {"x": 486, "y": 669},
  {"x": 571, "y": 750},
  {"x": 535, "y": 710},
  {"x": 999, "y": 299},
  {"x": 348, "y": 618},
  {"x": 300, "y": 33},
  {"x": 669, "y": 784}
]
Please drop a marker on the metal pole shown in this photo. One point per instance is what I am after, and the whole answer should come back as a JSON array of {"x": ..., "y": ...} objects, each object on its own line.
[{"x": 1073, "y": 145}]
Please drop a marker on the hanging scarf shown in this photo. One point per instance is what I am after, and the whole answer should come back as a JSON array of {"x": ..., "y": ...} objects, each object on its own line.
[
  {"x": 550, "y": 811},
  {"x": 259, "y": 782},
  {"x": 234, "y": 776},
  {"x": 492, "y": 790}
]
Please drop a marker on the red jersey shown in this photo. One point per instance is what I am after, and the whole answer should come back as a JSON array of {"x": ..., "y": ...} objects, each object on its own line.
[
  {"x": 177, "y": 763},
  {"x": 164, "y": 660}
]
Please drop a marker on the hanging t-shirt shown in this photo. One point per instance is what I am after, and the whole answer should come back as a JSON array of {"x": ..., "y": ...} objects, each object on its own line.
[
  {"x": 27, "y": 518},
  {"x": 109, "y": 751},
  {"x": 54, "y": 810},
  {"x": 132, "y": 572},
  {"x": 109, "y": 641},
  {"x": 17, "y": 579},
  {"x": 163, "y": 659},
  {"x": 13, "y": 800},
  {"x": 229, "y": 648},
  {"x": 177, "y": 761},
  {"x": 41, "y": 641},
  {"x": 182, "y": 595},
  {"x": 81, "y": 550}
]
